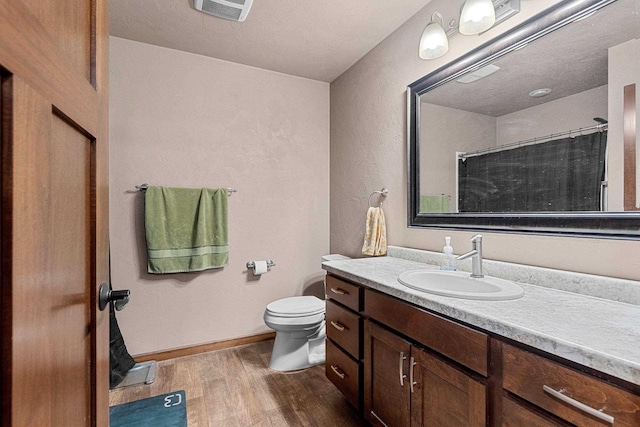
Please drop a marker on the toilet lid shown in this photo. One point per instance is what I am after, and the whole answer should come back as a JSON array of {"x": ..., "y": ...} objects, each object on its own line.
[{"x": 296, "y": 306}]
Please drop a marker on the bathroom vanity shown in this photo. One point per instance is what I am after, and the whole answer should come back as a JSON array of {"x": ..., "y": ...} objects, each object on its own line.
[{"x": 408, "y": 358}]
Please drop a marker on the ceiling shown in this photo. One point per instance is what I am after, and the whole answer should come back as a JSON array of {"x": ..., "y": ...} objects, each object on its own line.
[
  {"x": 570, "y": 60},
  {"x": 313, "y": 39}
]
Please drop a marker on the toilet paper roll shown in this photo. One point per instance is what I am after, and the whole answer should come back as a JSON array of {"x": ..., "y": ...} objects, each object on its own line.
[{"x": 259, "y": 267}]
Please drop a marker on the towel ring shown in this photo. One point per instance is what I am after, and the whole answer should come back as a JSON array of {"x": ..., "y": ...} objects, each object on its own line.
[{"x": 382, "y": 192}]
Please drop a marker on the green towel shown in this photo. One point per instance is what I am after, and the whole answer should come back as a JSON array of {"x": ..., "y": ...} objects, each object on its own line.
[
  {"x": 186, "y": 229},
  {"x": 434, "y": 204}
]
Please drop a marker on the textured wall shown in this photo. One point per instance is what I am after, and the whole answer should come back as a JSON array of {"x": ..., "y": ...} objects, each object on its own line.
[
  {"x": 179, "y": 119},
  {"x": 570, "y": 112},
  {"x": 368, "y": 151},
  {"x": 441, "y": 136},
  {"x": 622, "y": 72}
]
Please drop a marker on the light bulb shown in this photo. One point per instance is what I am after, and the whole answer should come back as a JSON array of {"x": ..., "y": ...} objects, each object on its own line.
[
  {"x": 434, "y": 42},
  {"x": 477, "y": 16}
]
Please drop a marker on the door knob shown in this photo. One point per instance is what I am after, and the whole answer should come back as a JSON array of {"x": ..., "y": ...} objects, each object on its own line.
[{"x": 106, "y": 295}]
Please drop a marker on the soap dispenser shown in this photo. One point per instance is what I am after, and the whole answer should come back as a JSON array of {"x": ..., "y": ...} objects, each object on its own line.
[{"x": 448, "y": 259}]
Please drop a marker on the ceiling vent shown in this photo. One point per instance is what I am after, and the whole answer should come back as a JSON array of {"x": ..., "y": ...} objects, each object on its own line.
[{"x": 233, "y": 10}]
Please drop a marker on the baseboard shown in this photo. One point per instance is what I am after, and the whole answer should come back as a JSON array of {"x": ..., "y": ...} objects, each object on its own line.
[{"x": 202, "y": 348}]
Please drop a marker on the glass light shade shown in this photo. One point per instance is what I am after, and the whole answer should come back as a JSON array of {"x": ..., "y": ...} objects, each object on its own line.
[
  {"x": 476, "y": 16},
  {"x": 434, "y": 42}
]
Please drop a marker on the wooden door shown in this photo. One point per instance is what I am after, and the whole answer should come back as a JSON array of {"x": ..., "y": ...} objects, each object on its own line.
[
  {"x": 445, "y": 396},
  {"x": 54, "y": 223},
  {"x": 386, "y": 379}
]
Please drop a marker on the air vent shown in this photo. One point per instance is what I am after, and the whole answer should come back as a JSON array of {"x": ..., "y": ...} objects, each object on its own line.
[
  {"x": 478, "y": 74},
  {"x": 233, "y": 10}
]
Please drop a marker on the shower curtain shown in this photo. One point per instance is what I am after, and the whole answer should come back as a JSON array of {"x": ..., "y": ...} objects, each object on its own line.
[{"x": 559, "y": 175}]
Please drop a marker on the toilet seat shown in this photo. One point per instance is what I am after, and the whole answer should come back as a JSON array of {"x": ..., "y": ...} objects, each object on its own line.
[{"x": 296, "y": 307}]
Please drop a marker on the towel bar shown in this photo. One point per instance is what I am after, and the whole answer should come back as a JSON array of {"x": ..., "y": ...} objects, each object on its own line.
[
  {"x": 143, "y": 187},
  {"x": 382, "y": 192}
]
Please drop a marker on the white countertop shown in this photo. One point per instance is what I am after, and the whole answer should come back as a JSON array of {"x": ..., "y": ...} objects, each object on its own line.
[{"x": 598, "y": 333}]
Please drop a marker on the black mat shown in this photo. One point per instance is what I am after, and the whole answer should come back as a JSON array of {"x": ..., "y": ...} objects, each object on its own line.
[{"x": 167, "y": 410}]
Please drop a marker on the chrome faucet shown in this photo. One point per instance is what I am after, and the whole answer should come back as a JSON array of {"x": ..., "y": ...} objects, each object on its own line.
[{"x": 476, "y": 253}]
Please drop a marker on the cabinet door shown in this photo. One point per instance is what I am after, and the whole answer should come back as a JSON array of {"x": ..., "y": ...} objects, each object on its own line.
[
  {"x": 444, "y": 396},
  {"x": 386, "y": 381}
]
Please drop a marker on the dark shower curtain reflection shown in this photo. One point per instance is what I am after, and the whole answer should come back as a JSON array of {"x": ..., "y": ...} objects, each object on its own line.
[{"x": 559, "y": 175}]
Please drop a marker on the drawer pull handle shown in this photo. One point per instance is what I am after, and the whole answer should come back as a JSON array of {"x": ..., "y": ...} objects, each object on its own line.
[
  {"x": 401, "y": 368},
  {"x": 339, "y": 291},
  {"x": 379, "y": 420},
  {"x": 339, "y": 326},
  {"x": 338, "y": 372},
  {"x": 411, "y": 381},
  {"x": 579, "y": 405}
]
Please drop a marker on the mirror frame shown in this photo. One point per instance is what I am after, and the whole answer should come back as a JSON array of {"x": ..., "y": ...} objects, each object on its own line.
[{"x": 615, "y": 225}]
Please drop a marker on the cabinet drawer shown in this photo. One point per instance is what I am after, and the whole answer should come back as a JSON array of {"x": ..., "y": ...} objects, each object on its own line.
[
  {"x": 534, "y": 378},
  {"x": 459, "y": 343},
  {"x": 516, "y": 415},
  {"x": 343, "y": 327},
  {"x": 343, "y": 372},
  {"x": 345, "y": 293}
]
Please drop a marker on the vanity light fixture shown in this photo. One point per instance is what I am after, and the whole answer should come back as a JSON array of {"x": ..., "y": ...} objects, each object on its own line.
[
  {"x": 434, "y": 42},
  {"x": 477, "y": 16}
]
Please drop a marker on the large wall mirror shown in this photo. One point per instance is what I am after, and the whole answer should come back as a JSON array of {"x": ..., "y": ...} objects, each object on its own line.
[{"x": 535, "y": 131}]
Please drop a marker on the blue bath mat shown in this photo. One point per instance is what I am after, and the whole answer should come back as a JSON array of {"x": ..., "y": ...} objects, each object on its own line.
[{"x": 167, "y": 410}]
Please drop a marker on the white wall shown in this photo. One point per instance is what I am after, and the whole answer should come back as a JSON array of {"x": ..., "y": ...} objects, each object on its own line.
[
  {"x": 179, "y": 119},
  {"x": 571, "y": 112},
  {"x": 438, "y": 160},
  {"x": 624, "y": 69},
  {"x": 368, "y": 152}
]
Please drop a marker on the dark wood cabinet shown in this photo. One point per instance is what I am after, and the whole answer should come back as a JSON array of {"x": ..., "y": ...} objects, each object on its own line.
[
  {"x": 347, "y": 294},
  {"x": 570, "y": 395},
  {"x": 443, "y": 395},
  {"x": 344, "y": 372},
  {"x": 387, "y": 387},
  {"x": 343, "y": 365},
  {"x": 405, "y": 385},
  {"x": 406, "y": 366},
  {"x": 344, "y": 328},
  {"x": 457, "y": 342},
  {"x": 515, "y": 414}
]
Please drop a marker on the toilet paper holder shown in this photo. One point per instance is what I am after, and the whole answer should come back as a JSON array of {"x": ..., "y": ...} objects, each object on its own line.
[{"x": 252, "y": 264}]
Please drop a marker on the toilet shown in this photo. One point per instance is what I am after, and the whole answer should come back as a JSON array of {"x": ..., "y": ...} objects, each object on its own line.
[{"x": 300, "y": 330}]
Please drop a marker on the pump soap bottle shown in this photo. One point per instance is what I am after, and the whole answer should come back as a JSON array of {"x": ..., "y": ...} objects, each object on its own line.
[{"x": 448, "y": 259}]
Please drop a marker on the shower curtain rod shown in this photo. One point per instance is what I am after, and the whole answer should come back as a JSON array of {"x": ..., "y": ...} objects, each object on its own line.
[{"x": 599, "y": 127}]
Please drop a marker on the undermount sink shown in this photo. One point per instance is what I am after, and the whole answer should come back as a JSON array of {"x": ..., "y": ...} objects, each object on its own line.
[{"x": 459, "y": 284}]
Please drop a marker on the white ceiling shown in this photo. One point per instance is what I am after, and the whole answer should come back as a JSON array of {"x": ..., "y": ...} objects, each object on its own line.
[
  {"x": 317, "y": 39},
  {"x": 570, "y": 60}
]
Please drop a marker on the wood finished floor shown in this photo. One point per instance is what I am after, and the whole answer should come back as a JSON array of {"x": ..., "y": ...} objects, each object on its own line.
[{"x": 235, "y": 387}]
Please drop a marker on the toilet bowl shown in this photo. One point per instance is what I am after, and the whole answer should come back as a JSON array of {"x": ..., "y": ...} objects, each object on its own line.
[{"x": 300, "y": 332}]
